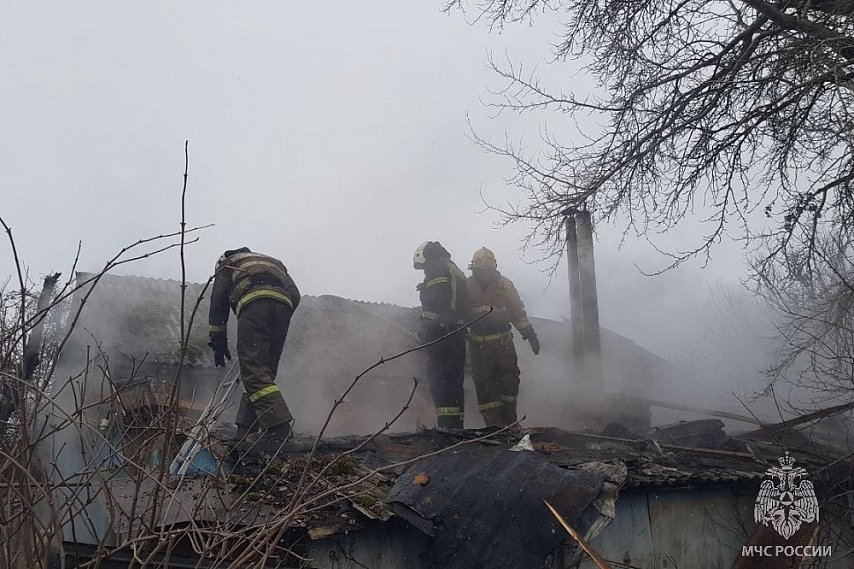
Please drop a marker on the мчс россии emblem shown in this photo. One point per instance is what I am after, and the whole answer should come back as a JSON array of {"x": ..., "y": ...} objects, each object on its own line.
[{"x": 787, "y": 500}]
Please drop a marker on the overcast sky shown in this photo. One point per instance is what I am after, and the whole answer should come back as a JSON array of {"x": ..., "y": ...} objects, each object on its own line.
[{"x": 332, "y": 135}]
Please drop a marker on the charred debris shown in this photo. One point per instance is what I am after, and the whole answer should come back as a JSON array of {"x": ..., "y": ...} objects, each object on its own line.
[{"x": 475, "y": 497}]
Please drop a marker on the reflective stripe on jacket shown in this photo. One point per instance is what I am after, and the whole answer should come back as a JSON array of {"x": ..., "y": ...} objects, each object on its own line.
[
  {"x": 244, "y": 277},
  {"x": 443, "y": 293},
  {"x": 506, "y": 306}
]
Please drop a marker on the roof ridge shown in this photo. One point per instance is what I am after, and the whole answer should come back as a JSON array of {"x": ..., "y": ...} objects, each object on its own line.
[{"x": 178, "y": 282}]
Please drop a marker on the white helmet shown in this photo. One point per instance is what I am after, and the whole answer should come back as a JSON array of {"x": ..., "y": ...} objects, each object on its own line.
[{"x": 418, "y": 259}]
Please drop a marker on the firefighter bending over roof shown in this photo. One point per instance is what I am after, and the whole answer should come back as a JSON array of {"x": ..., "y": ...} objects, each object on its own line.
[
  {"x": 491, "y": 352},
  {"x": 444, "y": 304},
  {"x": 263, "y": 297}
]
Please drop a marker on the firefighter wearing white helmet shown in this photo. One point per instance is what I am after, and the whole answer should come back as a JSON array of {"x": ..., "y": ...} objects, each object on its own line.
[
  {"x": 445, "y": 307},
  {"x": 491, "y": 351},
  {"x": 418, "y": 259}
]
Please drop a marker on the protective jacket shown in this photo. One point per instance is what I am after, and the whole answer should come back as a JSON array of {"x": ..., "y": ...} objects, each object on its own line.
[
  {"x": 445, "y": 306},
  {"x": 444, "y": 297},
  {"x": 494, "y": 366},
  {"x": 246, "y": 276},
  {"x": 263, "y": 296},
  {"x": 496, "y": 292}
]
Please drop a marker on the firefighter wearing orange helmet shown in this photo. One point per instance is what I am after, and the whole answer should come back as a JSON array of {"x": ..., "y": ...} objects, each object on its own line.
[{"x": 490, "y": 340}]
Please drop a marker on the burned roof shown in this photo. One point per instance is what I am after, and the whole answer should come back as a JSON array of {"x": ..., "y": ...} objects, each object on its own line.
[{"x": 441, "y": 482}]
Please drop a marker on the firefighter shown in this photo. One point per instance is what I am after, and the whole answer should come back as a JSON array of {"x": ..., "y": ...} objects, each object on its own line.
[
  {"x": 263, "y": 297},
  {"x": 444, "y": 304},
  {"x": 491, "y": 352}
]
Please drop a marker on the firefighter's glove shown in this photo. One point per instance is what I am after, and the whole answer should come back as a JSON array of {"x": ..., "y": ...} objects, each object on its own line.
[
  {"x": 431, "y": 329},
  {"x": 531, "y": 336},
  {"x": 219, "y": 345},
  {"x": 535, "y": 344}
]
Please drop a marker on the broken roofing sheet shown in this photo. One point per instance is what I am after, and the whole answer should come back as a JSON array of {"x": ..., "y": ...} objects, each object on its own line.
[{"x": 468, "y": 498}]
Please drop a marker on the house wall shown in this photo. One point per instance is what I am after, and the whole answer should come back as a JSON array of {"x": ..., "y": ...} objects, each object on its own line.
[
  {"x": 395, "y": 547},
  {"x": 677, "y": 529},
  {"x": 701, "y": 529}
]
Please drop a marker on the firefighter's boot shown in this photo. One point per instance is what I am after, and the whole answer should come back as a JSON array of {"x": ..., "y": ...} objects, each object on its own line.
[
  {"x": 450, "y": 420},
  {"x": 274, "y": 438},
  {"x": 492, "y": 413}
]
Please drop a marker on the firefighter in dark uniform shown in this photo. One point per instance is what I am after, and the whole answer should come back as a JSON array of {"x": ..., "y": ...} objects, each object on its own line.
[
  {"x": 491, "y": 352},
  {"x": 263, "y": 297},
  {"x": 445, "y": 307}
]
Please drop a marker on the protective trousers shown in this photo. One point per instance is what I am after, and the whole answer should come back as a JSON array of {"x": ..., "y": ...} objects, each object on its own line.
[
  {"x": 262, "y": 326},
  {"x": 445, "y": 373},
  {"x": 495, "y": 372}
]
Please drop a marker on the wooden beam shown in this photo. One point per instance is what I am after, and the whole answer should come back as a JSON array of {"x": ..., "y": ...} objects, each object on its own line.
[{"x": 699, "y": 410}]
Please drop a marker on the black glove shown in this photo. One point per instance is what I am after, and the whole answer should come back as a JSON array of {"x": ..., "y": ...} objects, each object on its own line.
[
  {"x": 535, "y": 344},
  {"x": 219, "y": 345},
  {"x": 531, "y": 336},
  {"x": 436, "y": 328}
]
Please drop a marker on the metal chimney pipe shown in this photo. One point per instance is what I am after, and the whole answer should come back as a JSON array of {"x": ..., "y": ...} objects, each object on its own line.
[
  {"x": 587, "y": 277},
  {"x": 584, "y": 302},
  {"x": 576, "y": 316}
]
